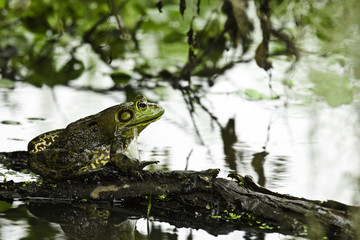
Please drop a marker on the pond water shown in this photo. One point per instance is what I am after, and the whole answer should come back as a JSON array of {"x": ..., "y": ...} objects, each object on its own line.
[{"x": 299, "y": 146}]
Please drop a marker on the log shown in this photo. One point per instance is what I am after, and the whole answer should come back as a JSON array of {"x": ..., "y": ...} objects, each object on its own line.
[{"x": 198, "y": 199}]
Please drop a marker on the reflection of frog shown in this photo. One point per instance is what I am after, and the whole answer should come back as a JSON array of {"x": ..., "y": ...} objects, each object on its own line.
[
  {"x": 89, "y": 143},
  {"x": 85, "y": 221}
]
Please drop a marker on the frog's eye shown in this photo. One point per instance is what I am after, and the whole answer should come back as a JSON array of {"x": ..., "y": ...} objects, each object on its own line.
[
  {"x": 141, "y": 106},
  {"x": 125, "y": 115}
]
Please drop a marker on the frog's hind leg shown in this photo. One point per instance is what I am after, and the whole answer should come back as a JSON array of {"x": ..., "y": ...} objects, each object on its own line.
[
  {"x": 43, "y": 141},
  {"x": 98, "y": 158},
  {"x": 61, "y": 164}
]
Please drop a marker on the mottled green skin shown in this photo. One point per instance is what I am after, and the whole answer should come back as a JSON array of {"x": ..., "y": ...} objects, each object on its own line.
[{"x": 88, "y": 144}]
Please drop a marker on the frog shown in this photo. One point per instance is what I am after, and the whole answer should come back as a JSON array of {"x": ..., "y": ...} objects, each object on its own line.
[{"x": 93, "y": 142}]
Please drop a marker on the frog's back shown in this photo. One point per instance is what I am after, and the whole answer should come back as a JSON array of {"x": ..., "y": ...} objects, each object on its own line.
[
  {"x": 79, "y": 133},
  {"x": 89, "y": 132},
  {"x": 43, "y": 141}
]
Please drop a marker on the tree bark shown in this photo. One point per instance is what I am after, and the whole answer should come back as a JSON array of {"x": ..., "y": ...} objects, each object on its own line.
[{"x": 197, "y": 199}]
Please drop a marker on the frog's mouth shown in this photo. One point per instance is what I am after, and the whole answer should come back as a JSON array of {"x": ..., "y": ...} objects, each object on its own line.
[
  {"x": 156, "y": 116},
  {"x": 128, "y": 130},
  {"x": 145, "y": 122}
]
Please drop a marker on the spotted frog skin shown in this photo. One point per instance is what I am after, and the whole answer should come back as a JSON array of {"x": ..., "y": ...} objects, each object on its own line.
[{"x": 90, "y": 143}]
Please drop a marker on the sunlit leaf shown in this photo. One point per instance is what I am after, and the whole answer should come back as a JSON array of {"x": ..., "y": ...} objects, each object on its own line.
[
  {"x": 288, "y": 82},
  {"x": 6, "y": 83},
  {"x": 254, "y": 95},
  {"x": 334, "y": 88}
]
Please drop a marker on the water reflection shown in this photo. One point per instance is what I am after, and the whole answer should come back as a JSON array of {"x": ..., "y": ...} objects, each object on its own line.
[
  {"x": 88, "y": 221},
  {"x": 15, "y": 216},
  {"x": 253, "y": 236},
  {"x": 246, "y": 139},
  {"x": 258, "y": 165},
  {"x": 234, "y": 156},
  {"x": 228, "y": 135},
  {"x": 50, "y": 220}
]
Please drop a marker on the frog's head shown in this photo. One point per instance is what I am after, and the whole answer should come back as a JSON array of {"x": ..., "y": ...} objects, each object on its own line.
[{"x": 138, "y": 114}]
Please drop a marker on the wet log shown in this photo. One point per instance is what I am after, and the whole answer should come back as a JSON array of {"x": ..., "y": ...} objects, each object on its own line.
[{"x": 198, "y": 199}]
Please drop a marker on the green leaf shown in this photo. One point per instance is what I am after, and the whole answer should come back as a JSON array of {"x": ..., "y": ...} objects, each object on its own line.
[
  {"x": 333, "y": 87},
  {"x": 6, "y": 83},
  {"x": 288, "y": 82},
  {"x": 121, "y": 77},
  {"x": 4, "y": 206},
  {"x": 10, "y": 122},
  {"x": 70, "y": 71},
  {"x": 36, "y": 119},
  {"x": 254, "y": 95}
]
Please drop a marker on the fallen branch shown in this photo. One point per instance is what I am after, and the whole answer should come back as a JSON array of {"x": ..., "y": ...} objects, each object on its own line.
[{"x": 197, "y": 199}]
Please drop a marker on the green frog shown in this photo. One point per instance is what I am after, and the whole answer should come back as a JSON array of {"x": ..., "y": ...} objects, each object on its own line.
[{"x": 90, "y": 143}]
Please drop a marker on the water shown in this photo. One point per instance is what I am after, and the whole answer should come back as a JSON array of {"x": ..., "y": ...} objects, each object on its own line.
[{"x": 288, "y": 145}]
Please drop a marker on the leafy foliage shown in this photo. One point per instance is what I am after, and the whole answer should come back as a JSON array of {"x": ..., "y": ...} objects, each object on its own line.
[
  {"x": 54, "y": 42},
  {"x": 43, "y": 37}
]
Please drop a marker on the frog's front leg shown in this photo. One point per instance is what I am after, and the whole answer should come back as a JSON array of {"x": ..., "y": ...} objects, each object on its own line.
[
  {"x": 122, "y": 160},
  {"x": 127, "y": 163}
]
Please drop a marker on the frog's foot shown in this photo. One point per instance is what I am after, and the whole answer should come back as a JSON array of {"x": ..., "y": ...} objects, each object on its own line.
[
  {"x": 143, "y": 164},
  {"x": 126, "y": 163}
]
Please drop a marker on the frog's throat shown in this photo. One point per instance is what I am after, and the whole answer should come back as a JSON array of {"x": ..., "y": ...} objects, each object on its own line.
[{"x": 132, "y": 147}]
